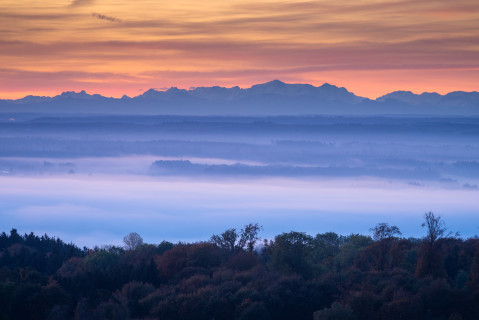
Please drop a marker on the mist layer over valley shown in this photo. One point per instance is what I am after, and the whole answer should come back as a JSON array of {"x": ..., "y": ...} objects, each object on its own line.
[{"x": 96, "y": 178}]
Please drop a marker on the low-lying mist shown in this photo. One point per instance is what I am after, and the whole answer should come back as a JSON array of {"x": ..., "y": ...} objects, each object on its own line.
[
  {"x": 102, "y": 208},
  {"x": 94, "y": 179}
]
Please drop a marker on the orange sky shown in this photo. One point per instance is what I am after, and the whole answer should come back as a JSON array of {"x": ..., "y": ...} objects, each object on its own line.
[{"x": 121, "y": 47}]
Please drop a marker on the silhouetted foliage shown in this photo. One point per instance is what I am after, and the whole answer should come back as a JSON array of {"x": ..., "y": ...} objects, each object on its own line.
[
  {"x": 384, "y": 231},
  {"x": 436, "y": 228},
  {"x": 249, "y": 236},
  {"x": 291, "y": 252},
  {"x": 430, "y": 260},
  {"x": 336, "y": 312},
  {"x": 226, "y": 240},
  {"x": 233, "y": 241},
  {"x": 293, "y": 276}
]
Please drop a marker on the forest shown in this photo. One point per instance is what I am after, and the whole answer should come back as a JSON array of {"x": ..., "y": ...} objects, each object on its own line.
[{"x": 238, "y": 275}]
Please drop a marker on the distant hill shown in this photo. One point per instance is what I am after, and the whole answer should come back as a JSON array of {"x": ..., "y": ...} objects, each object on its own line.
[{"x": 270, "y": 98}]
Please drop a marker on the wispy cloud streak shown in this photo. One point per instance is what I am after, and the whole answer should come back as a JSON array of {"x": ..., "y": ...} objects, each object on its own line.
[
  {"x": 78, "y": 3},
  {"x": 332, "y": 40},
  {"x": 105, "y": 17}
]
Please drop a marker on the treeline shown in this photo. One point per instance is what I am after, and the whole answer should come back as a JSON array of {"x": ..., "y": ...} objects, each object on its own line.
[{"x": 235, "y": 276}]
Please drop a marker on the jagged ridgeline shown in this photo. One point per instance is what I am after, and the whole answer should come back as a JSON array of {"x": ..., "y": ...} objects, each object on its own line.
[{"x": 271, "y": 98}]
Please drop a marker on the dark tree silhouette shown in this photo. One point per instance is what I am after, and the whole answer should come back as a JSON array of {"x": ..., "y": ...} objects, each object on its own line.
[
  {"x": 384, "y": 234},
  {"x": 384, "y": 231},
  {"x": 430, "y": 260},
  {"x": 435, "y": 226},
  {"x": 291, "y": 252},
  {"x": 226, "y": 240},
  {"x": 296, "y": 274},
  {"x": 336, "y": 312},
  {"x": 232, "y": 241},
  {"x": 249, "y": 236}
]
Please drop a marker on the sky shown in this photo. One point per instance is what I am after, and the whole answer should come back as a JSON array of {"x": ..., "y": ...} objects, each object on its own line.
[{"x": 121, "y": 47}]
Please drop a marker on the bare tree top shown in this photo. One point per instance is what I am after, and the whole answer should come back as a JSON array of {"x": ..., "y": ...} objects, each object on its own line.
[{"x": 132, "y": 241}]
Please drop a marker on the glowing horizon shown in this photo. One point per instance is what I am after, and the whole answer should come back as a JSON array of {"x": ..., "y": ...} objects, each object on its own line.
[{"x": 118, "y": 47}]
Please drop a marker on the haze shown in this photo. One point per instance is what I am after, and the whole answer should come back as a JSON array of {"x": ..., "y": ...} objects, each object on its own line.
[{"x": 93, "y": 179}]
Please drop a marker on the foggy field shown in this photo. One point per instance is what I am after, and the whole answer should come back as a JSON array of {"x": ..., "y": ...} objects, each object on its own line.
[{"x": 92, "y": 179}]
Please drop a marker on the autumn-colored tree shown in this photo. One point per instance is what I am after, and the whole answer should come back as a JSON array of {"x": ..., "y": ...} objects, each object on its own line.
[
  {"x": 294, "y": 276},
  {"x": 384, "y": 234},
  {"x": 474, "y": 272}
]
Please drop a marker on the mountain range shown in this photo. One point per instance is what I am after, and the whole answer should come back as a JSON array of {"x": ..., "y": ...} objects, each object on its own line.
[{"x": 270, "y": 98}]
